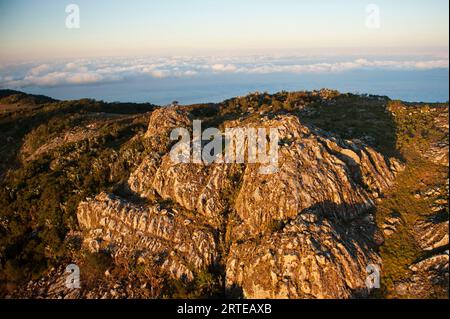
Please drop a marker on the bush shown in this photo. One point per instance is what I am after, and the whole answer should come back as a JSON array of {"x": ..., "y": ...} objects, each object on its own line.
[
  {"x": 205, "y": 285},
  {"x": 94, "y": 266}
]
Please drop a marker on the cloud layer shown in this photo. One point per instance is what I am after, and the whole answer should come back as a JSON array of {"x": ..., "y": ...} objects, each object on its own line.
[{"x": 95, "y": 71}]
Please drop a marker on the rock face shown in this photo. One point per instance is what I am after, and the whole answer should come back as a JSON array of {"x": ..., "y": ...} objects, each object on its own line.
[
  {"x": 432, "y": 234},
  {"x": 315, "y": 170},
  {"x": 150, "y": 233},
  {"x": 430, "y": 273},
  {"x": 305, "y": 231},
  {"x": 193, "y": 186},
  {"x": 157, "y": 137},
  {"x": 439, "y": 151},
  {"x": 391, "y": 223},
  {"x": 54, "y": 286},
  {"x": 311, "y": 257}
]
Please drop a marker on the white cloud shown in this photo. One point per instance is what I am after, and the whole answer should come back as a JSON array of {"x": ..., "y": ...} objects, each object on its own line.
[
  {"x": 158, "y": 73},
  {"x": 39, "y": 69},
  {"x": 94, "y": 71},
  {"x": 50, "y": 79},
  {"x": 344, "y": 66},
  {"x": 224, "y": 67},
  {"x": 71, "y": 66},
  {"x": 57, "y": 78},
  {"x": 190, "y": 73},
  {"x": 84, "y": 78}
]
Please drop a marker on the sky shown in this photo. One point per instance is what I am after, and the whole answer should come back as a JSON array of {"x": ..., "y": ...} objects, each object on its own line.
[
  {"x": 37, "y": 29},
  {"x": 207, "y": 50}
]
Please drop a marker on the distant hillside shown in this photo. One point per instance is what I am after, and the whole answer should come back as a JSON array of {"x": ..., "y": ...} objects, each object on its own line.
[{"x": 12, "y": 100}]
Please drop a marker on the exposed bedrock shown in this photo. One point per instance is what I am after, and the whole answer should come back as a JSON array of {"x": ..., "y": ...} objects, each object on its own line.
[{"x": 305, "y": 231}]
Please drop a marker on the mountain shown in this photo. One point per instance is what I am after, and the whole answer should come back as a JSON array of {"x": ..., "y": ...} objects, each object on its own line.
[{"x": 362, "y": 183}]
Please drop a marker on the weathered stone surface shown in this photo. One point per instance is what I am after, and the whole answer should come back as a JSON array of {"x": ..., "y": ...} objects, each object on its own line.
[
  {"x": 157, "y": 138},
  {"x": 391, "y": 223},
  {"x": 430, "y": 274},
  {"x": 303, "y": 232},
  {"x": 311, "y": 257},
  {"x": 53, "y": 285},
  {"x": 433, "y": 234},
  {"x": 437, "y": 263},
  {"x": 196, "y": 187},
  {"x": 438, "y": 152},
  {"x": 141, "y": 180},
  {"x": 314, "y": 170},
  {"x": 159, "y": 235},
  {"x": 164, "y": 120}
]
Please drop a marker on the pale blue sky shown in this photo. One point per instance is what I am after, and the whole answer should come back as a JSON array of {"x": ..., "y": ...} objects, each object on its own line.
[{"x": 36, "y": 29}]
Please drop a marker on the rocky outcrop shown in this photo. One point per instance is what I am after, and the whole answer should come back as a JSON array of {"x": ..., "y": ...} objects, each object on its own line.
[
  {"x": 436, "y": 265},
  {"x": 391, "y": 223},
  {"x": 164, "y": 120},
  {"x": 141, "y": 180},
  {"x": 157, "y": 140},
  {"x": 432, "y": 232},
  {"x": 315, "y": 169},
  {"x": 438, "y": 152},
  {"x": 430, "y": 274},
  {"x": 301, "y": 226},
  {"x": 149, "y": 234},
  {"x": 53, "y": 285},
  {"x": 92, "y": 126},
  {"x": 305, "y": 231},
  {"x": 196, "y": 187},
  {"x": 312, "y": 257}
]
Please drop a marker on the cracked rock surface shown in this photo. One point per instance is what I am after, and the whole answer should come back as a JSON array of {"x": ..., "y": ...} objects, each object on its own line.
[{"x": 305, "y": 231}]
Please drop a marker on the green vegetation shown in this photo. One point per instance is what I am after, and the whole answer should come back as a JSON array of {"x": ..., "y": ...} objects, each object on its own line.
[
  {"x": 39, "y": 198},
  {"x": 205, "y": 285},
  {"x": 415, "y": 132},
  {"x": 367, "y": 118}
]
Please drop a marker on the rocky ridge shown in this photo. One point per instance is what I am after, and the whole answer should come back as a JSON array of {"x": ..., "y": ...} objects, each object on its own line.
[
  {"x": 151, "y": 228},
  {"x": 297, "y": 233}
]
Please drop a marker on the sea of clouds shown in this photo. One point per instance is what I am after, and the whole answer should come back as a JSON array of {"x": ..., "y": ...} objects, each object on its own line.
[{"x": 113, "y": 70}]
